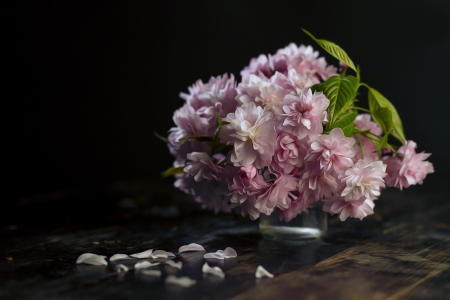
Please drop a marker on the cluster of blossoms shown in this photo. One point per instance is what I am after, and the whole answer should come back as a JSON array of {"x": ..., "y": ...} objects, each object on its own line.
[{"x": 261, "y": 145}]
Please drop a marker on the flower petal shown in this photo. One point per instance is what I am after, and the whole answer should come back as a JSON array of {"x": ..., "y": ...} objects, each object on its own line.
[
  {"x": 144, "y": 264},
  {"x": 145, "y": 254},
  {"x": 261, "y": 272},
  {"x": 92, "y": 259},
  {"x": 177, "y": 265},
  {"x": 116, "y": 257},
  {"x": 214, "y": 255},
  {"x": 151, "y": 272},
  {"x": 120, "y": 268},
  {"x": 161, "y": 254},
  {"x": 214, "y": 271},
  {"x": 228, "y": 253},
  {"x": 181, "y": 281},
  {"x": 191, "y": 247}
]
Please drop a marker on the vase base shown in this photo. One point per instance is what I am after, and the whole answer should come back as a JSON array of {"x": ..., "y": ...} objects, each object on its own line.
[{"x": 290, "y": 235}]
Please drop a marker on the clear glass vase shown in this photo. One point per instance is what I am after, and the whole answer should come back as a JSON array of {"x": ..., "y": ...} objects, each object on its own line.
[{"x": 304, "y": 227}]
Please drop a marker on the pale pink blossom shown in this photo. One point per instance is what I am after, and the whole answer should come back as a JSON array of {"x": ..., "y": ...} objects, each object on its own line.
[
  {"x": 315, "y": 183},
  {"x": 218, "y": 95},
  {"x": 192, "y": 123},
  {"x": 304, "y": 114},
  {"x": 409, "y": 170},
  {"x": 360, "y": 208},
  {"x": 289, "y": 153},
  {"x": 298, "y": 205},
  {"x": 368, "y": 148},
  {"x": 204, "y": 192},
  {"x": 202, "y": 166},
  {"x": 247, "y": 208},
  {"x": 257, "y": 65},
  {"x": 333, "y": 151},
  {"x": 363, "y": 122},
  {"x": 364, "y": 178},
  {"x": 181, "y": 149},
  {"x": 252, "y": 133},
  {"x": 246, "y": 182},
  {"x": 279, "y": 194}
]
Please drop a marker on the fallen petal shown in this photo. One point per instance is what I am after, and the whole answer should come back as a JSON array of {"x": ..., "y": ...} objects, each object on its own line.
[
  {"x": 116, "y": 257},
  {"x": 92, "y": 259},
  {"x": 151, "y": 272},
  {"x": 182, "y": 281},
  {"x": 177, "y": 265},
  {"x": 191, "y": 247},
  {"x": 214, "y": 271},
  {"x": 228, "y": 252},
  {"x": 144, "y": 264},
  {"x": 261, "y": 272},
  {"x": 161, "y": 254},
  {"x": 145, "y": 254},
  {"x": 121, "y": 268},
  {"x": 214, "y": 255}
]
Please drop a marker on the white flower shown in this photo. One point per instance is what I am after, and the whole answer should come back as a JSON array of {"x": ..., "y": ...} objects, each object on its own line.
[
  {"x": 145, "y": 254},
  {"x": 116, "y": 257},
  {"x": 222, "y": 254},
  {"x": 191, "y": 247},
  {"x": 92, "y": 259}
]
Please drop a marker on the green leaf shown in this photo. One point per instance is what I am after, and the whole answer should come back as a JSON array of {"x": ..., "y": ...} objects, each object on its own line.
[
  {"x": 341, "y": 92},
  {"x": 385, "y": 114},
  {"x": 334, "y": 50},
  {"x": 346, "y": 120},
  {"x": 383, "y": 142},
  {"x": 195, "y": 137},
  {"x": 172, "y": 171},
  {"x": 164, "y": 139},
  {"x": 348, "y": 130}
]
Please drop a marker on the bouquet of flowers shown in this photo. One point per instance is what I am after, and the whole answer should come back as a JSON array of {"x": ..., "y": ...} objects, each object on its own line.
[{"x": 291, "y": 135}]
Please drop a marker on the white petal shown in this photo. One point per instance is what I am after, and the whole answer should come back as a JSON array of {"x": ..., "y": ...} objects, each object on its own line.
[
  {"x": 228, "y": 253},
  {"x": 145, "y": 254},
  {"x": 92, "y": 259},
  {"x": 144, "y": 264},
  {"x": 151, "y": 272},
  {"x": 215, "y": 270},
  {"x": 214, "y": 255},
  {"x": 174, "y": 264},
  {"x": 121, "y": 268},
  {"x": 116, "y": 257},
  {"x": 261, "y": 272},
  {"x": 161, "y": 254},
  {"x": 191, "y": 247},
  {"x": 182, "y": 281}
]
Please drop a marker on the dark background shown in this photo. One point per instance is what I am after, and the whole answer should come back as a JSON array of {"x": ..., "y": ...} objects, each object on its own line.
[{"x": 86, "y": 85}]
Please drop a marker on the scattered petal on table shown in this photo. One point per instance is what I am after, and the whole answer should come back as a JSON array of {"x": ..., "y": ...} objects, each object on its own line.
[
  {"x": 261, "y": 272},
  {"x": 121, "y": 268},
  {"x": 177, "y": 265},
  {"x": 215, "y": 270},
  {"x": 151, "y": 272},
  {"x": 181, "y": 281},
  {"x": 161, "y": 254},
  {"x": 222, "y": 254},
  {"x": 92, "y": 259},
  {"x": 145, "y": 254},
  {"x": 228, "y": 252},
  {"x": 144, "y": 264},
  {"x": 116, "y": 257},
  {"x": 191, "y": 247}
]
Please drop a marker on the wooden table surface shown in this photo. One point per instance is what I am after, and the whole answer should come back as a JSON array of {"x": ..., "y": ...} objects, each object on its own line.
[{"x": 400, "y": 252}]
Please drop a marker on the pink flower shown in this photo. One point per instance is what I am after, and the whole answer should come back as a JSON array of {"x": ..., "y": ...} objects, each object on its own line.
[
  {"x": 297, "y": 206},
  {"x": 278, "y": 195},
  {"x": 412, "y": 169},
  {"x": 363, "y": 122},
  {"x": 360, "y": 208},
  {"x": 368, "y": 148},
  {"x": 200, "y": 165},
  {"x": 204, "y": 192},
  {"x": 365, "y": 178},
  {"x": 289, "y": 153},
  {"x": 192, "y": 123},
  {"x": 245, "y": 183},
  {"x": 252, "y": 132},
  {"x": 257, "y": 65},
  {"x": 305, "y": 113},
  {"x": 181, "y": 149},
  {"x": 218, "y": 95},
  {"x": 333, "y": 151},
  {"x": 315, "y": 183},
  {"x": 247, "y": 208}
]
